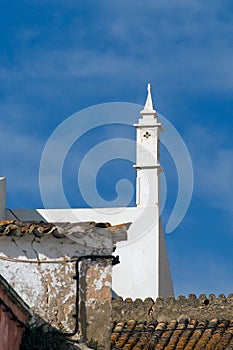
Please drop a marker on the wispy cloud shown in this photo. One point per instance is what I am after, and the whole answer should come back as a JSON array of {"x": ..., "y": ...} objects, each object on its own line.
[
  {"x": 110, "y": 49},
  {"x": 179, "y": 43}
]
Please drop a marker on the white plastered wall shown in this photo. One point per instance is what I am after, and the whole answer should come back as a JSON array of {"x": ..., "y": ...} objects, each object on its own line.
[
  {"x": 137, "y": 275},
  {"x": 144, "y": 269}
]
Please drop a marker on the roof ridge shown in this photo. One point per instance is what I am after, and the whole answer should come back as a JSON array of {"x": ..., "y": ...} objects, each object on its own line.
[{"x": 180, "y": 298}]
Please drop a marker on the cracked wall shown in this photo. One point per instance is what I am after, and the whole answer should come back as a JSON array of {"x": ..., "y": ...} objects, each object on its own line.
[
  {"x": 95, "y": 295},
  {"x": 49, "y": 288}
]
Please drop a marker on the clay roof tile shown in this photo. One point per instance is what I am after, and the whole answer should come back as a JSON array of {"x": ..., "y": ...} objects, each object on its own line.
[{"x": 178, "y": 335}]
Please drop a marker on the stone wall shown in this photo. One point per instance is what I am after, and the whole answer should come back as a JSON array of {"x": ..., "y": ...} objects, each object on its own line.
[{"x": 201, "y": 308}]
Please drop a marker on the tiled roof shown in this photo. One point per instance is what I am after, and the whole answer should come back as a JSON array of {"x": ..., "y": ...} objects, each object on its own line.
[
  {"x": 18, "y": 228},
  {"x": 180, "y": 335},
  {"x": 58, "y": 230},
  {"x": 193, "y": 323}
]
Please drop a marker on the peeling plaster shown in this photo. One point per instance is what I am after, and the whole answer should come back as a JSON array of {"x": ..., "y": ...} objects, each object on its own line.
[
  {"x": 100, "y": 282},
  {"x": 50, "y": 290},
  {"x": 96, "y": 283}
]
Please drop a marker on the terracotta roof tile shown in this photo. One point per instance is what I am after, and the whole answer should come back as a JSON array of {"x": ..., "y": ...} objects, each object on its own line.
[
  {"x": 183, "y": 324},
  {"x": 179, "y": 335},
  {"x": 58, "y": 230}
]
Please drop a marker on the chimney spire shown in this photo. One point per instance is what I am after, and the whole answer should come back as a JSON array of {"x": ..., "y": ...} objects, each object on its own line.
[
  {"x": 149, "y": 102},
  {"x": 148, "y": 109}
]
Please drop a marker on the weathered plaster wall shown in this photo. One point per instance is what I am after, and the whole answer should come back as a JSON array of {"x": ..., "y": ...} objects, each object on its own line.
[
  {"x": 49, "y": 288},
  {"x": 138, "y": 254},
  {"x": 95, "y": 293}
]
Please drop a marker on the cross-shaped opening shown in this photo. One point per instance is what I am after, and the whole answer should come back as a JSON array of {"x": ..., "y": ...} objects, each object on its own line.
[{"x": 147, "y": 134}]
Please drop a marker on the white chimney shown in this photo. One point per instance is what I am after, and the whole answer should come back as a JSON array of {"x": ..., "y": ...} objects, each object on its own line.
[{"x": 2, "y": 198}]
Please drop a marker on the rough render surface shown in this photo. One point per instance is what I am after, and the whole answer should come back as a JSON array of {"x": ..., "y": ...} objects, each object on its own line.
[
  {"x": 201, "y": 308},
  {"x": 49, "y": 289},
  {"x": 96, "y": 302}
]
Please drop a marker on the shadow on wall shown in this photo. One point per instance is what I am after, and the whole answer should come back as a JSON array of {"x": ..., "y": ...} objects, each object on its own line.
[
  {"x": 24, "y": 215},
  {"x": 42, "y": 336}
]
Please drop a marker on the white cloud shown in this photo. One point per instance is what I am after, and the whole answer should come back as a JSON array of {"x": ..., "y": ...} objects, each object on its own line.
[
  {"x": 180, "y": 45},
  {"x": 187, "y": 45}
]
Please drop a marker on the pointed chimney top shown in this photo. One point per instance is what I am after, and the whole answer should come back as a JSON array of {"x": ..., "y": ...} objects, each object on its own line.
[
  {"x": 148, "y": 108},
  {"x": 149, "y": 102}
]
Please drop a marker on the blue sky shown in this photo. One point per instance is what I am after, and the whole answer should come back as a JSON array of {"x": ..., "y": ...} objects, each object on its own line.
[{"x": 58, "y": 57}]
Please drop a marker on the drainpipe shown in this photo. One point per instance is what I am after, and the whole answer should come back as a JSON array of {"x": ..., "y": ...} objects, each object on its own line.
[{"x": 115, "y": 260}]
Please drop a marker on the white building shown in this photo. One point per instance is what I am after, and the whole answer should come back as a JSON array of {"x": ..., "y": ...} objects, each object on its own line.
[{"x": 144, "y": 269}]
